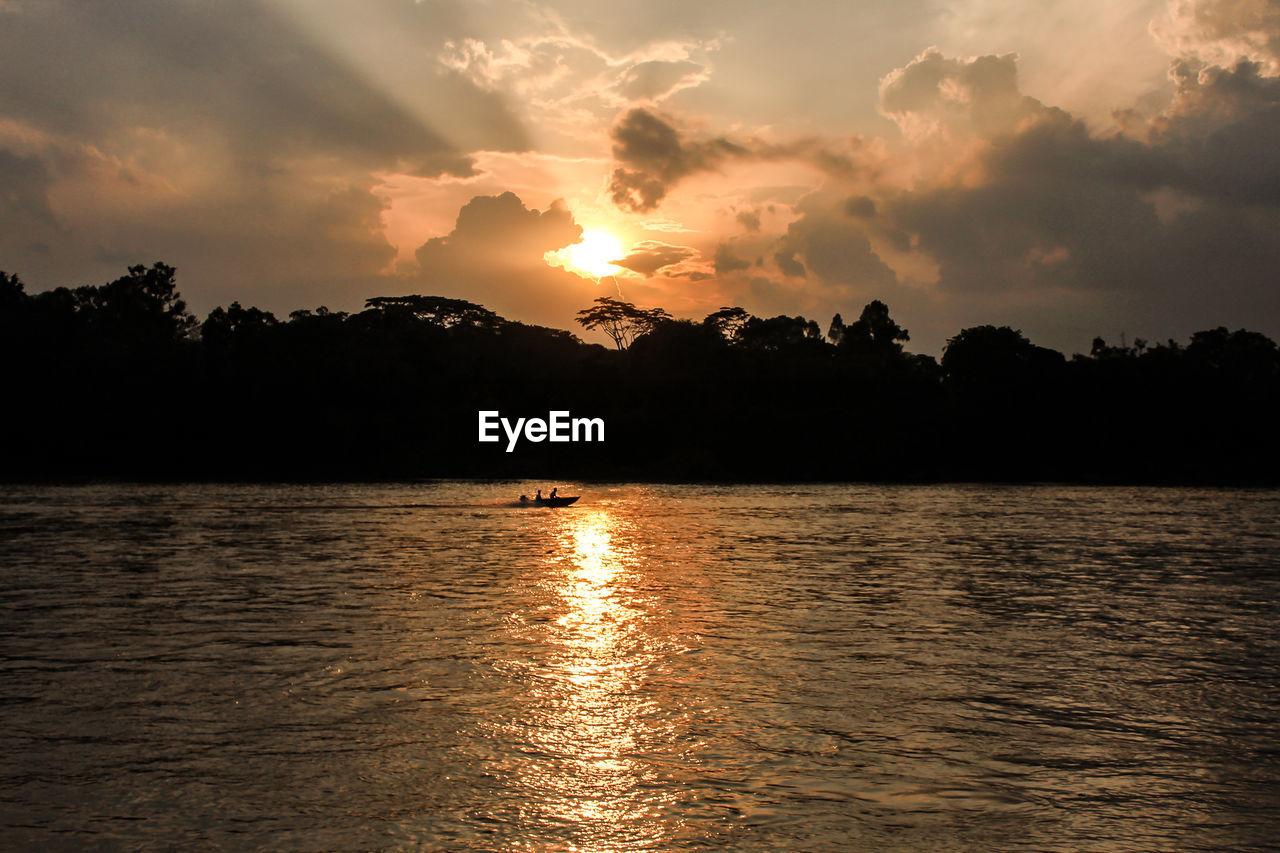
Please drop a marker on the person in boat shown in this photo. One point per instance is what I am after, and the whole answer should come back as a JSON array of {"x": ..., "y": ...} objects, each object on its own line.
[
  {"x": 553, "y": 494},
  {"x": 538, "y": 496},
  {"x": 524, "y": 499}
]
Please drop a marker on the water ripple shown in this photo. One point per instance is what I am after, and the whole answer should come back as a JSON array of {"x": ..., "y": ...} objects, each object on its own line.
[{"x": 425, "y": 667}]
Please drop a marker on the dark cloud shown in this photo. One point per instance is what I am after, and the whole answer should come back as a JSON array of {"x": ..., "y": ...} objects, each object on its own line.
[
  {"x": 1023, "y": 214},
  {"x": 494, "y": 256},
  {"x": 766, "y": 297},
  {"x": 1059, "y": 205},
  {"x": 788, "y": 263},
  {"x": 649, "y": 256},
  {"x": 652, "y": 157},
  {"x": 837, "y": 251},
  {"x": 1222, "y": 134},
  {"x": 1177, "y": 221},
  {"x": 24, "y": 198},
  {"x": 726, "y": 261},
  {"x": 749, "y": 219},
  {"x": 861, "y": 206},
  {"x": 936, "y": 95},
  {"x": 505, "y": 229},
  {"x": 29, "y": 228}
]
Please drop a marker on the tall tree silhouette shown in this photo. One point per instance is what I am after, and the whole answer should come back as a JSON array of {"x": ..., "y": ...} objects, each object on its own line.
[
  {"x": 727, "y": 321},
  {"x": 781, "y": 333},
  {"x": 438, "y": 311},
  {"x": 144, "y": 305},
  {"x": 621, "y": 321},
  {"x": 995, "y": 354},
  {"x": 874, "y": 332}
]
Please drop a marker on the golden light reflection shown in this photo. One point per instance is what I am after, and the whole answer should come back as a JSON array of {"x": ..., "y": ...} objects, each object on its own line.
[
  {"x": 589, "y": 703},
  {"x": 589, "y": 593}
]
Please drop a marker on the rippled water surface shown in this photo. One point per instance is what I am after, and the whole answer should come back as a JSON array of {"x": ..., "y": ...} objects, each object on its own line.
[{"x": 391, "y": 667}]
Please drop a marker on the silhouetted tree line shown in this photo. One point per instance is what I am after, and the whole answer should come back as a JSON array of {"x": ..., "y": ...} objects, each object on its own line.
[{"x": 120, "y": 380}]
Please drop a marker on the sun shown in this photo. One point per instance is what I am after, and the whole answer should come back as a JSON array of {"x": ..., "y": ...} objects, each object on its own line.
[{"x": 592, "y": 256}]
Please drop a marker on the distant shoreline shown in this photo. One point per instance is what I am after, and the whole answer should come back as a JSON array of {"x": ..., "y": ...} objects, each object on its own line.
[{"x": 120, "y": 381}]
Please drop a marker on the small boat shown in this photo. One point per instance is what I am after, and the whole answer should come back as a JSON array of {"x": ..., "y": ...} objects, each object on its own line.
[
  {"x": 548, "y": 501},
  {"x": 556, "y": 501}
]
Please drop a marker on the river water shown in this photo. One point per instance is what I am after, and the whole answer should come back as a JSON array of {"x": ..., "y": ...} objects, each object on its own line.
[{"x": 423, "y": 667}]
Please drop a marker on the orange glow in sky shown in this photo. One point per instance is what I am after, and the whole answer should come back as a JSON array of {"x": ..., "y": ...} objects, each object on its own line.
[{"x": 590, "y": 257}]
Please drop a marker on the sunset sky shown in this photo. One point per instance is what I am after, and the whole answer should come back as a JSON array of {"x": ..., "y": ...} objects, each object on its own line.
[{"x": 1068, "y": 168}]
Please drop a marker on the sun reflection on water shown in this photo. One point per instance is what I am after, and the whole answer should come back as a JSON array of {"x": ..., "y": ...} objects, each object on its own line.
[{"x": 588, "y": 715}]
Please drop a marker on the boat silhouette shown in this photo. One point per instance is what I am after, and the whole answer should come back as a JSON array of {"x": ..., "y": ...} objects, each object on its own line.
[
  {"x": 553, "y": 502},
  {"x": 556, "y": 501}
]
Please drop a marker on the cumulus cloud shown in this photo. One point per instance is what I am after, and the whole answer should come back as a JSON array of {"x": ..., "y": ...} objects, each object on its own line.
[
  {"x": 503, "y": 228},
  {"x": 936, "y": 96},
  {"x": 1221, "y": 133},
  {"x": 1223, "y": 32},
  {"x": 494, "y": 256},
  {"x": 837, "y": 250},
  {"x": 1177, "y": 216},
  {"x": 1018, "y": 208}
]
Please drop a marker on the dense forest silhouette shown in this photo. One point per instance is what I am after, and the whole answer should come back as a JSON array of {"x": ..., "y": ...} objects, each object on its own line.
[{"x": 121, "y": 381}]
